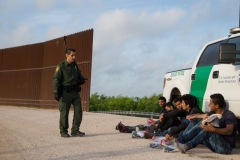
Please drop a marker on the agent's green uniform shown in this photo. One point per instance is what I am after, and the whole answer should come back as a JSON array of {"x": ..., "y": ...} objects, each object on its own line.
[{"x": 66, "y": 75}]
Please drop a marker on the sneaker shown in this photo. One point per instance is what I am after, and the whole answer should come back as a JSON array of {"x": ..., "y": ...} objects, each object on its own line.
[
  {"x": 155, "y": 145},
  {"x": 78, "y": 134},
  {"x": 170, "y": 149},
  {"x": 135, "y": 135},
  {"x": 166, "y": 143},
  {"x": 179, "y": 146},
  {"x": 65, "y": 135}
]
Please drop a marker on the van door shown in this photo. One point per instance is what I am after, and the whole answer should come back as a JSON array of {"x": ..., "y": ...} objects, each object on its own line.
[{"x": 226, "y": 80}]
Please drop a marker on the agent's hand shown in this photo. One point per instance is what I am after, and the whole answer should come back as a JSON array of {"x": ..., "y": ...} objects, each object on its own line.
[{"x": 56, "y": 96}]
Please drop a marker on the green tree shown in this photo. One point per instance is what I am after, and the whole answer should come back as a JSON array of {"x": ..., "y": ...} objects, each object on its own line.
[{"x": 107, "y": 103}]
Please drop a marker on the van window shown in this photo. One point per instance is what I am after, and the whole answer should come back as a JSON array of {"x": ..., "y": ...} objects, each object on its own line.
[
  {"x": 210, "y": 55},
  {"x": 236, "y": 40}
]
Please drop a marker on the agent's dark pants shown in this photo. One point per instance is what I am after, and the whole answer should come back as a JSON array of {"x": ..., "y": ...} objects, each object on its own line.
[{"x": 64, "y": 106}]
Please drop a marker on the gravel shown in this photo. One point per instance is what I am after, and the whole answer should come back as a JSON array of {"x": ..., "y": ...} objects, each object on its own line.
[{"x": 32, "y": 133}]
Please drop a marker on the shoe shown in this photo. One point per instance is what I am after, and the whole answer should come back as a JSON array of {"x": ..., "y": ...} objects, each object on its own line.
[
  {"x": 170, "y": 149},
  {"x": 65, "y": 135},
  {"x": 78, "y": 134},
  {"x": 148, "y": 135},
  {"x": 155, "y": 145},
  {"x": 166, "y": 143},
  {"x": 135, "y": 135},
  {"x": 179, "y": 146}
]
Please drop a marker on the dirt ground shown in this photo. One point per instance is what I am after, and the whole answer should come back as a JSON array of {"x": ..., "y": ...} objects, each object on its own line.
[{"x": 30, "y": 133}]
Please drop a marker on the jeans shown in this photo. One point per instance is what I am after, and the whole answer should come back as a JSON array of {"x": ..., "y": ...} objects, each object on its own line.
[
  {"x": 197, "y": 135},
  {"x": 162, "y": 134},
  {"x": 191, "y": 125}
]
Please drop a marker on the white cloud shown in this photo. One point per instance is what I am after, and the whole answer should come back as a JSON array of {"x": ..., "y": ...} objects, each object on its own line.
[
  {"x": 199, "y": 11},
  {"x": 45, "y": 4},
  {"x": 6, "y": 5},
  {"x": 20, "y": 35},
  {"x": 85, "y": 3},
  {"x": 55, "y": 31},
  {"x": 119, "y": 26},
  {"x": 126, "y": 49}
]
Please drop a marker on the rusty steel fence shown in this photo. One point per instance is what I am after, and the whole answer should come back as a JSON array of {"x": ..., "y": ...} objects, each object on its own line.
[{"x": 26, "y": 72}]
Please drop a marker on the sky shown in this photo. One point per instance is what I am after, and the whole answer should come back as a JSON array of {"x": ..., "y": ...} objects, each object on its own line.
[{"x": 135, "y": 42}]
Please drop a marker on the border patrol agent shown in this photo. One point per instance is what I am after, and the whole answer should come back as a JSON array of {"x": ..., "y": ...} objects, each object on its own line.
[{"x": 67, "y": 83}]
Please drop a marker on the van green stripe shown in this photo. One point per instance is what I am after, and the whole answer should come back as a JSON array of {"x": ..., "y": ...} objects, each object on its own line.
[{"x": 199, "y": 85}]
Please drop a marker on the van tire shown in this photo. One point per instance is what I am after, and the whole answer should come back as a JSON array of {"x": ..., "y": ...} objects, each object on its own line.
[{"x": 174, "y": 93}]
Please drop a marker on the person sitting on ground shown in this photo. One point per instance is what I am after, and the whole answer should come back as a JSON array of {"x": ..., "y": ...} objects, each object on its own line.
[
  {"x": 162, "y": 102},
  {"x": 179, "y": 112},
  {"x": 189, "y": 107},
  {"x": 173, "y": 118},
  {"x": 189, "y": 104},
  {"x": 159, "y": 123},
  {"x": 141, "y": 127},
  {"x": 167, "y": 122},
  {"x": 177, "y": 102},
  {"x": 156, "y": 126},
  {"x": 220, "y": 139}
]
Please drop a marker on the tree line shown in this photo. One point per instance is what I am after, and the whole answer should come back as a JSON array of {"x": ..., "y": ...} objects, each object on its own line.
[{"x": 124, "y": 103}]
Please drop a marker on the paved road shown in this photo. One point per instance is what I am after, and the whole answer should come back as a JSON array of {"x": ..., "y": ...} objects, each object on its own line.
[{"x": 29, "y": 133}]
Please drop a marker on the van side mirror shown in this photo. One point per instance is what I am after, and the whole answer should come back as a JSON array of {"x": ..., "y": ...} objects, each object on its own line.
[{"x": 228, "y": 53}]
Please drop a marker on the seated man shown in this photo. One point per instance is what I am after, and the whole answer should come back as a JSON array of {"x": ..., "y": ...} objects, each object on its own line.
[
  {"x": 162, "y": 102},
  {"x": 188, "y": 106},
  {"x": 179, "y": 112},
  {"x": 161, "y": 123},
  {"x": 166, "y": 122},
  {"x": 173, "y": 118},
  {"x": 128, "y": 129},
  {"x": 220, "y": 140},
  {"x": 162, "y": 105}
]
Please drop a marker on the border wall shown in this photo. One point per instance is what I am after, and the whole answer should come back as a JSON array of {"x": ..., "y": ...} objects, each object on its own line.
[{"x": 26, "y": 72}]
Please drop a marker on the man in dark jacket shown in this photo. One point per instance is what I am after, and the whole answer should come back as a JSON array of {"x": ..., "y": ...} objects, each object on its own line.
[{"x": 66, "y": 83}]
